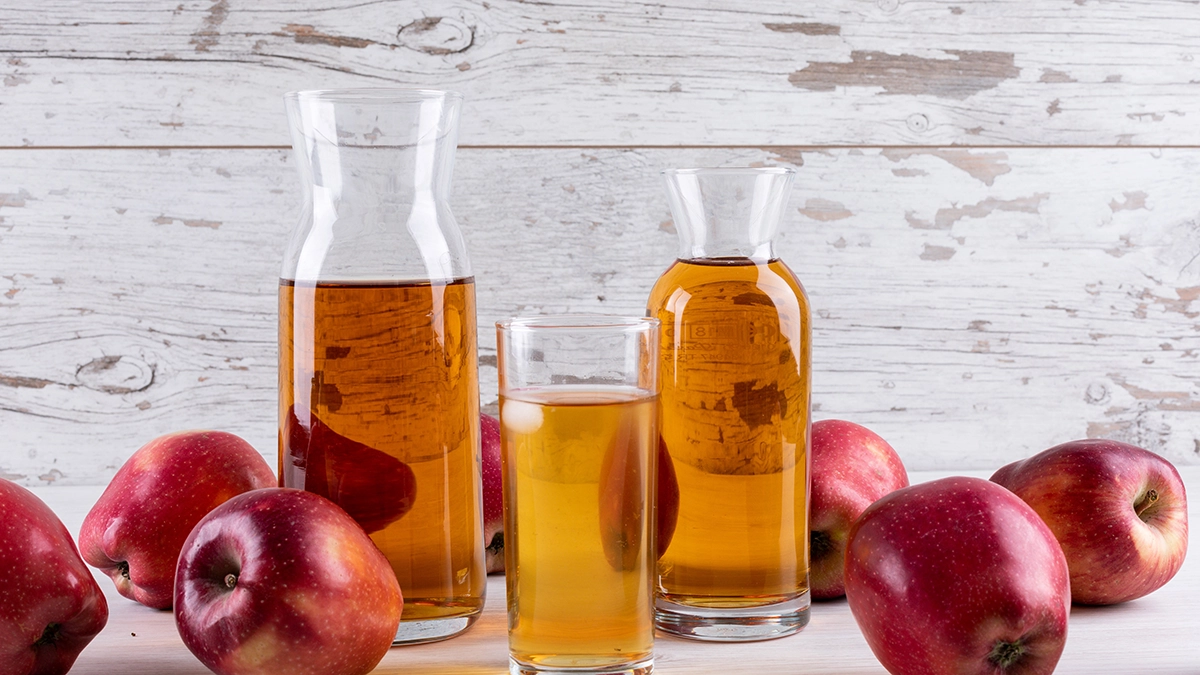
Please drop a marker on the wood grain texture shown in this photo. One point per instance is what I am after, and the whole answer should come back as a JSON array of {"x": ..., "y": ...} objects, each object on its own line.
[
  {"x": 610, "y": 72},
  {"x": 971, "y": 306},
  {"x": 1152, "y": 634}
]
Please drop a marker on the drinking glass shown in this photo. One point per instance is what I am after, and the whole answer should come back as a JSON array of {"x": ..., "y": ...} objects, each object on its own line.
[{"x": 578, "y": 416}]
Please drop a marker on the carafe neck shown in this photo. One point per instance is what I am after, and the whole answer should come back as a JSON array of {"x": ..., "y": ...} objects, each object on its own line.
[
  {"x": 375, "y": 166},
  {"x": 727, "y": 212},
  {"x": 363, "y": 147}
]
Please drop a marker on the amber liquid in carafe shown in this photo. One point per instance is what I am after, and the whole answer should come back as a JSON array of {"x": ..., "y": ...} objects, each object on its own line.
[
  {"x": 379, "y": 410},
  {"x": 734, "y": 366}
]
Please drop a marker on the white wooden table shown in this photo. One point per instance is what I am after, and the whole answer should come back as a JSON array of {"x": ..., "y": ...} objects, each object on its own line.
[{"x": 1158, "y": 634}]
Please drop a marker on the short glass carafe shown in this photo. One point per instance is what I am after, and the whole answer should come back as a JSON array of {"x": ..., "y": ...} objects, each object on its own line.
[{"x": 735, "y": 365}]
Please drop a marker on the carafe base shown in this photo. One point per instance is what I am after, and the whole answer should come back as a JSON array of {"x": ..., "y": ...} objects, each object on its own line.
[{"x": 421, "y": 631}]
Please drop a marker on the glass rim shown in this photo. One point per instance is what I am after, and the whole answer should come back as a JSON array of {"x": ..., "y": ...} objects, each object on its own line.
[
  {"x": 730, "y": 170},
  {"x": 574, "y": 322},
  {"x": 372, "y": 95}
]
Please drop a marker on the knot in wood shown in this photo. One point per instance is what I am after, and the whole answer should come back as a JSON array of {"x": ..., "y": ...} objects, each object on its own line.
[
  {"x": 116, "y": 374},
  {"x": 917, "y": 122},
  {"x": 437, "y": 35},
  {"x": 1096, "y": 393}
]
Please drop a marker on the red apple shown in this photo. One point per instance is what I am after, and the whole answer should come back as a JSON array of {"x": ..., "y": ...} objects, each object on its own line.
[
  {"x": 375, "y": 488},
  {"x": 958, "y": 576},
  {"x": 851, "y": 468},
  {"x": 623, "y": 497},
  {"x": 135, "y": 530},
  {"x": 50, "y": 606},
  {"x": 493, "y": 493},
  {"x": 667, "y": 504},
  {"x": 1119, "y": 512},
  {"x": 283, "y": 581},
  {"x": 621, "y": 512}
]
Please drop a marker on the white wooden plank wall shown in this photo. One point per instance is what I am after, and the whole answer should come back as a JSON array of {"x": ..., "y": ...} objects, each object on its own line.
[
  {"x": 996, "y": 212},
  {"x": 611, "y": 72}
]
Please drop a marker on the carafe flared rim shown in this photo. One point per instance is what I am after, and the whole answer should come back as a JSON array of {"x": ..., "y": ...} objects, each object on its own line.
[
  {"x": 730, "y": 170},
  {"x": 373, "y": 95}
]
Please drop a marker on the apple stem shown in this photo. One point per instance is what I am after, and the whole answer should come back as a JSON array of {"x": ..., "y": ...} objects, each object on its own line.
[
  {"x": 1005, "y": 654},
  {"x": 230, "y": 581},
  {"x": 1147, "y": 501},
  {"x": 123, "y": 568}
]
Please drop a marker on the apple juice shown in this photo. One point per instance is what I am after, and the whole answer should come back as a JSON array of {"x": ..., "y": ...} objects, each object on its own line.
[
  {"x": 578, "y": 465},
  {"x": 734, "y": 363},
  {"x": 379, "y": 411}
]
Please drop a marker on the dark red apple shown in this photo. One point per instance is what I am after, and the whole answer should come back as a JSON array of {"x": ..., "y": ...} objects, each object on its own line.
[
  {"x": 135, "y": 530},
  {"x": 851, "y": 468},
  {"x": 623, "y": 496},
  {"x": 667, "y": 504},
  {"x": 284, "y": 581},
  {"x": 493, "y": 493},
  {"x": 621, "y": 512},
  {"x": 50, "y": 606},
  {"x": 1119, "y": 512},
  {"x": 375, "y": 488},
  {"x": 958, "y": 576}
]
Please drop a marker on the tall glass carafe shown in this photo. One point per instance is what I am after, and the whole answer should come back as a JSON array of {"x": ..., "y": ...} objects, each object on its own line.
[
  {"x": 378, "y": 373},
  {"x": 735, "y": 369}
]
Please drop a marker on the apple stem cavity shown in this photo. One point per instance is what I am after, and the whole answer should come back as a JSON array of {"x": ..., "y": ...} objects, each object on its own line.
[
  {"x": 123, "y": 568},
  {"x": 231, "y": 581},
  {"x": 1006, "y": 654},
  {"x": 497, "y": 543},
  {"x": 820, "y": 544},
  {"x": 49, "y": 636},
  {"x": 1146, "y": 503}
]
